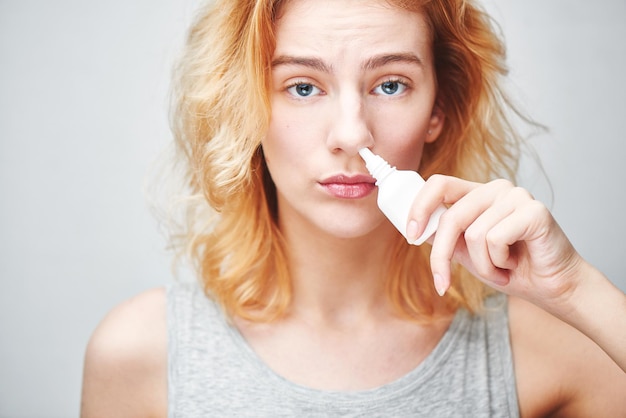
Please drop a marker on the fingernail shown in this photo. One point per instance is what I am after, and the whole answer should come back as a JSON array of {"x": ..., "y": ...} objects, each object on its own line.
[
  {"x": 440, "y": 284},
  {"x": 411, "y": 231}
]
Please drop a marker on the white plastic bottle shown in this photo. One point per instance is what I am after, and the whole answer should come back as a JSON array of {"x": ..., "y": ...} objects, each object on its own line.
[{"x": 396, "y": 192}]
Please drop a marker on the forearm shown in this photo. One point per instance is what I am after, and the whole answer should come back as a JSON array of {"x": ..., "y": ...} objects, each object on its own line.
[{"x": 598, "y": 309}]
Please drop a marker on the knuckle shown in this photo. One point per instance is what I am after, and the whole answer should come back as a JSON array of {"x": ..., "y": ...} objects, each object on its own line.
[
  {"x": 538, "y": 209},
  {"x": 474, "y": 235},
  {"x": 450, "y": 222},
  {"x": 502, "y": 184},
  {"x": 482, "y": 267},
  {"x": 521, "y": 193},
  {"x": 493, "y": 238},
  {"x": 437, "y": 181},
  {"x": 484, "y": 271},
  {"x": 437, "y": 178}
]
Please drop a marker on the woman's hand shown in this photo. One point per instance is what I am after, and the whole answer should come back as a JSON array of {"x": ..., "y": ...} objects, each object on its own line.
[
  {"x": 511, "y": 242},
  {"x": 502, "y": 235}
]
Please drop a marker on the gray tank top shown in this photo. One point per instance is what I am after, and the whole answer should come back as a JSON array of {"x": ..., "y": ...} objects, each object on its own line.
[{"x": 214, "y": 372}]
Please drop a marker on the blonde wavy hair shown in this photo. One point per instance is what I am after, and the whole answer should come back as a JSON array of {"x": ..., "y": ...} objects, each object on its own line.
[{"x": 221, "y": 111}]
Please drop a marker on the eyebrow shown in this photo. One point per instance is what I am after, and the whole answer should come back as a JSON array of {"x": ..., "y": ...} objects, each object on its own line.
[
  {"x": 382, "y": 60},
  {"x": 314, "y": 63},
  {"x": 371, "y": 64}
]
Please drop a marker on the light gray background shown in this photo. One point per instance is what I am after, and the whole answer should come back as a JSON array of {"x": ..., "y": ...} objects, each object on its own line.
[{"x": 83, "y": 114}]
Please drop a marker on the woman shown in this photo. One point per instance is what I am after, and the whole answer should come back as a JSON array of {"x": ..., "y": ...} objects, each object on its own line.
[{"x": 310, "y": 302}]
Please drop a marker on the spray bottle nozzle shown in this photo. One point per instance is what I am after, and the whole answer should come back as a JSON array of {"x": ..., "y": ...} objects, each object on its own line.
[
  {"x": 375, "y": 164},
  {"x": 366, "y": 154}
]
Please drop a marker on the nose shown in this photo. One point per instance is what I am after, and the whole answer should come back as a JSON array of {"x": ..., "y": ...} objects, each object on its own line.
[{"x": 349, "y": 128}]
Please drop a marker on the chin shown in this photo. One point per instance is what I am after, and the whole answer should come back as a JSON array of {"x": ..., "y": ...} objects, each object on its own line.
[{"x": 354, "y": 228}]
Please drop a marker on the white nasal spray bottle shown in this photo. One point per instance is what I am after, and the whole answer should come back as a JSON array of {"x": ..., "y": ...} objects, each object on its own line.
[{"x": 396, "y": 192}]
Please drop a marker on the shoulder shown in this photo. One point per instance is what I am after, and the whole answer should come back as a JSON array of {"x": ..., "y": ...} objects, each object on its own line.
[
  {"x": 125, "y": 371},
  {"x": 133, "y": 325},
  {"x": 559, "y": 371}
]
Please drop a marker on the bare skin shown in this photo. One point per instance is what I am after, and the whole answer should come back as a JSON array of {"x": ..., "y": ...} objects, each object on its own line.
[
  {"x": 559, "y": 371},
  {"x": 367, "y": 80},
  {"x": 125, "y": 372}
]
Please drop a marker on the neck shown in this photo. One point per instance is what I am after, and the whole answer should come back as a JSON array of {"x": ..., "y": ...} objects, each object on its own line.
[{"x": 339, "y": 280}]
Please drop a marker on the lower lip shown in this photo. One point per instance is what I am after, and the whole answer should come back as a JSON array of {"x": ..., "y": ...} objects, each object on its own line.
[{"x": 349, "y": 191}]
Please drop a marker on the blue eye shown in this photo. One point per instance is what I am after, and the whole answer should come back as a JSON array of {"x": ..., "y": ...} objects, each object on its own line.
[
  {"x": 390, "y": 88},
  {"x": 303, "y": 90}
]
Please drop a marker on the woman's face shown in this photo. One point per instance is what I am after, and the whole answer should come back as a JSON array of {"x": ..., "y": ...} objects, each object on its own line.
[{"x": 345, "y": 75}]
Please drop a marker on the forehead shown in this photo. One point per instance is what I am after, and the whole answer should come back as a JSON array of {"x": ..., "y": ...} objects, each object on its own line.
[{"x": 341, "y": 26}]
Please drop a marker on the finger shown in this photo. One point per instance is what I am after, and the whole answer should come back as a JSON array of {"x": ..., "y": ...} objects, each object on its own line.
[
  {"x": 447, "y": 241},
  {"x": 441, "y": 275},
  {"x": 524, "y": 224},
  {"x": 454, "y": 223},
  {"x": 480, "y": 238},
  {"x": 438, "y": 189}
]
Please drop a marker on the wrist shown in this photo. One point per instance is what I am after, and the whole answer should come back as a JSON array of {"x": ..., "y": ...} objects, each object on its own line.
[{"x": 594, "y": 305}]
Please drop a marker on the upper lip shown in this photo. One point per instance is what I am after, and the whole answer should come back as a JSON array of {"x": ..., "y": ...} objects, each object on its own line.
[{"x": 348, "y": 179}]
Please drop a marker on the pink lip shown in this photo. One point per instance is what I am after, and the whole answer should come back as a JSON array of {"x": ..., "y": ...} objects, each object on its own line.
[{"x": 349, "y": 187}]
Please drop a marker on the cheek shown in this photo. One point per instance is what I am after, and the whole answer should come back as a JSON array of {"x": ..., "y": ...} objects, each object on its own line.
[
  {"x": 292, "y": 135},
  {"x": 401, "y": 138},
  {"x": 407, "y": 155},
  {"x": 283, "y": 150},
  {"x": 276, "y": 141}
]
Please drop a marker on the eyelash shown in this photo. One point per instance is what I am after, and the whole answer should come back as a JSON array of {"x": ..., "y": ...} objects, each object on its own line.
[
  {"x": 299, "y": 83},
  {"x": 403, "y": 82}
]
